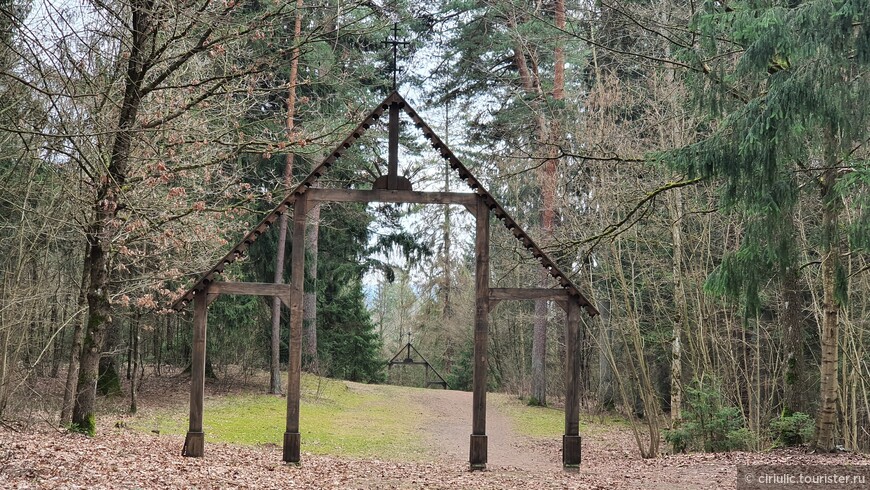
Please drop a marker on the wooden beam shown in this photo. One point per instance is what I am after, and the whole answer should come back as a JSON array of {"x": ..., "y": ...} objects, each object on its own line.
[
  {"x": 478, "y": 445},
  {"x": 281, "y": 291},
  {"x": 292, "y": 439},
  {"x": 528, "y": 294},
  {"x": 250, "y": 288},
  {"x": 194, "y": 442},
  {"x": 393, "y": 147},
  {"x": 386, "y": 195},
  {"x": 492, "y": 303},
  {"x": 571, "y": 439},
  {"x": 289, "y": 199}
]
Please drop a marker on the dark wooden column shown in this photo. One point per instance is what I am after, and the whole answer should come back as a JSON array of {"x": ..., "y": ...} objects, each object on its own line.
[
  {"x": 477, "y": 453},
  {"x": 571, "y": 439},
  {"x": 194, "y": 442},
  {"x": 297, "y": 290},
  {"x": 393, "y": 147}
]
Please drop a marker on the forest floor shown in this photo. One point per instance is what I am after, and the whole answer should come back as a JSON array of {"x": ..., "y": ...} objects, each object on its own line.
[{"x": 524, "y": 450}]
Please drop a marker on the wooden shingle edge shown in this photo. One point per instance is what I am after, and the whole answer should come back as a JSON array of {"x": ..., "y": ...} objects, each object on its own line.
[
  {"x": 236, "y": 252},
  {"x": 497, "y": 208},
  {"x": 239, "y": 250}
]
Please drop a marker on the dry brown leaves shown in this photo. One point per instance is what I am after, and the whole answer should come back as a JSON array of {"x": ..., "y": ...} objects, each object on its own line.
[{"x": 123, "y": 458}]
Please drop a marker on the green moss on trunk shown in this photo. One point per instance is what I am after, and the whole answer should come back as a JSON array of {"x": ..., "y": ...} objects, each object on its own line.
[{"x": 88, "y": 427}]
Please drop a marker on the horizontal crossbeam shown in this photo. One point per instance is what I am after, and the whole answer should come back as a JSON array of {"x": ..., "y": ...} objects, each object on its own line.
[
  {"x": 384, "y": 195},
  {"x": 499, "y": 294},
  {"x": 252, "y": 289}
]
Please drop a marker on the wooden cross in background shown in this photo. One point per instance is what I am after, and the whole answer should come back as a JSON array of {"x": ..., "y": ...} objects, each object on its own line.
[{"x": 395, "y": 43}]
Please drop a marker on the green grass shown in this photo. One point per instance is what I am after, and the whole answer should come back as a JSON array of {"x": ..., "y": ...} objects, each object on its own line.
[
  {"x": 546, "y": 422},
  {"x": 542, "y": 422},
  {"x": 365, "y": 423}
]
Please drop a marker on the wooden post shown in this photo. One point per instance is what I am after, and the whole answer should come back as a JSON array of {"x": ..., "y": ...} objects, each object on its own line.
[
  {"x": 478, "y": 450},
  {"x": 393, "y": 147},
  {"x": 571, "y": 439},
  {"x": 297, "y": 291},
  {"x": 194, "y": 442}
]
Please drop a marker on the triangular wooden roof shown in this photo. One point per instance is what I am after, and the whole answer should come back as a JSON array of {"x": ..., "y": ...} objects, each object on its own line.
[{"x": 394, "y": 98}]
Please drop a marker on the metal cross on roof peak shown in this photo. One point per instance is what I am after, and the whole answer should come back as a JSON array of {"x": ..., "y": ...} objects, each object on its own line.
[{"x": 395, "y": 43}]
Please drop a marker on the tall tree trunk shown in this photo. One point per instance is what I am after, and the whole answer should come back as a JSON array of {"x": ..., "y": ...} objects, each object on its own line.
[
  {"x": 99, "y": 232},
  {"x": 135, "y": 357},
  {"x": 129, "y": 351},
  {"x": 539, "y": 353},
  {"x": 99, "y": 316},
  {"x": 605, "y": 353},
  {"x": 157, "y": 347},
  {"x": 793, "y": 342},
  {"x": 275, "y": 364},
  {"x": 309, "y": 301},
  {"x": 682, "y": 313},
  {"x": 75, "y": 351},
  {"x": 57, "y": 343},
  {"x": 446, "y": 285},
  {"x": 550, "y": 136},
  {"x": 108, "y": 375},
  {"x": 539, "y": 338},
  {"x": 4, "y": 365},
  {"x": 827, "y": 415}
]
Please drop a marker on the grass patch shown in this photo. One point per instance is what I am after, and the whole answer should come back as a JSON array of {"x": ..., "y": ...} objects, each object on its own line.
[
  {"x": 543, "y": 422},
  {"x": 546, "y": 422},
  {"x": 365, "y": 422}
]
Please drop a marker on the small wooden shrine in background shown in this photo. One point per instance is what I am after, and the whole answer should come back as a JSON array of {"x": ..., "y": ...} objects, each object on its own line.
[{"x": 409, "y": 360}]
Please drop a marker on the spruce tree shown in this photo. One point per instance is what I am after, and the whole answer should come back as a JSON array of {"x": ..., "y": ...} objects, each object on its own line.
[{"x": 784, "y": 86}]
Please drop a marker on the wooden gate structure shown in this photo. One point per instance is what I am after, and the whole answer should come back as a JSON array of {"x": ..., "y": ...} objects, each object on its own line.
[{"x": 391, "y": 188}]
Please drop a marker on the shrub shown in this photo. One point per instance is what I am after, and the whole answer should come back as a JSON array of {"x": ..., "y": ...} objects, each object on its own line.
[
  {"x": 709, "y": 424},
  {"x": 678, "y": 438},
  {"x": 741, "y": 439},
  {"x": 792, "y": 430}
]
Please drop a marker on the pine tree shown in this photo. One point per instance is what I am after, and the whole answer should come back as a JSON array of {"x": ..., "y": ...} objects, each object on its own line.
[{"x": 514, "y": 55}]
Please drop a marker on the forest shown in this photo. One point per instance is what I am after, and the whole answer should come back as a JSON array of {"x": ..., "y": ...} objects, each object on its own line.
[{"x": 698, "y": 168}]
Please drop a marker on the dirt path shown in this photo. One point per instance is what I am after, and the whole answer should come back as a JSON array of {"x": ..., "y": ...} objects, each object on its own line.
[{"x": 448, "y": 426}]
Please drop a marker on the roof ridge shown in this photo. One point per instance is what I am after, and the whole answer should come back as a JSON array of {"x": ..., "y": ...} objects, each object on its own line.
[{"x": 446, "y": 153}]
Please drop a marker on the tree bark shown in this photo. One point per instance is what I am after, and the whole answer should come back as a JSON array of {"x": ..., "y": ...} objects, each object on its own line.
[
  {"x": 309, "y": 302},
  {"x": 793, "y": 340},
  {"x": 275, "y": 362},
  {"x": 57, "y": 343},
  {"x": 548, "y": 135},
  {"x": 682, "y": 313},
  {"x": 75, "y": 350},
  {"x": 539, "y": 352},
  {"x": 135, "y": 358},
  {"x": 108, "y": 375},
  {"x": 446, "y": 285},
  {"x": 605, "y": 353},
  {"x": 99, "y": 232},
  {"x": 827, "y": 415}
]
